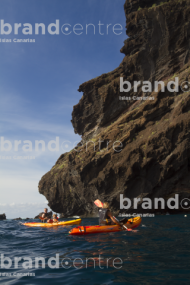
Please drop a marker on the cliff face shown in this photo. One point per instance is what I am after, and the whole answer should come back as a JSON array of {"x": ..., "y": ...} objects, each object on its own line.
[{"x": 155, "y": 134}]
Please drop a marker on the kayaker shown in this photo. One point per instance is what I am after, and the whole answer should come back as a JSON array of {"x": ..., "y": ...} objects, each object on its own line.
[
  {"x": 54, "y": 220},
  {"x": 45, "y": 215},
  {"x": 105, "y": 216}
]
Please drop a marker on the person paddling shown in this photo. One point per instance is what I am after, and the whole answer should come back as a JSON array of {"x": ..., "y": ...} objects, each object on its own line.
[
  {"x": 45, "y": 215},
  {"x": 106, "y": 217}
]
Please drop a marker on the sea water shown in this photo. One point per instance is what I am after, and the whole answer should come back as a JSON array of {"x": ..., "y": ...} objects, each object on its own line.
[{"x": 158, "y": 253}]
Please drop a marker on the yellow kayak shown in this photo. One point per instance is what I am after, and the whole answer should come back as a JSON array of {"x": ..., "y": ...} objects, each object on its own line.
[{"x": 47, "y": 225}]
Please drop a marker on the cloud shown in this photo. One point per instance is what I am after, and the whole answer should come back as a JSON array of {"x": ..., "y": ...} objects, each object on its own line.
[
  {"x": 16, "y": 116},
  {"x": 31, "y": 124},
  {"x": 20, "y": 177},
  {"x": 21, "y": 186},
  {"x": 21, "y": 210}
]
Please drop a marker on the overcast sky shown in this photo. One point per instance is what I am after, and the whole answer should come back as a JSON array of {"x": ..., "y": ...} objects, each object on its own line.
[{"x": 39, "y": 82}]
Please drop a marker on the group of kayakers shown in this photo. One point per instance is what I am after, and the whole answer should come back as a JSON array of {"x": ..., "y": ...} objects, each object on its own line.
[
  {"x": 45, "y": 217},
  {"x": 105, "y": 217}
]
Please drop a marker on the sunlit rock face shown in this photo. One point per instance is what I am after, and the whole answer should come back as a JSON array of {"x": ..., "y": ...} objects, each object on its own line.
[{"x": 138, "y": 148}]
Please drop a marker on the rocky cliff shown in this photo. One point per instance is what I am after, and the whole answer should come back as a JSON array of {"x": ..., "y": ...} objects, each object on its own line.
[{"x": 138, "y": 148}]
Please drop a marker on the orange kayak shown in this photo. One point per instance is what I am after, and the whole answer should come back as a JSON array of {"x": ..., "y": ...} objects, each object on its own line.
[
  {"x": 85, "y": 230},
  {"x": 47, "y": 225}
]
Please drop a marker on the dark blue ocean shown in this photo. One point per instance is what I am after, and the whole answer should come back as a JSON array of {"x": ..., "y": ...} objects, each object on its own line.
[{"x": 158, "y": 253}]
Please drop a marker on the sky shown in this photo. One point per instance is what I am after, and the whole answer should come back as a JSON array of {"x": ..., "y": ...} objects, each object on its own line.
[{"x": 39, "y": 82}]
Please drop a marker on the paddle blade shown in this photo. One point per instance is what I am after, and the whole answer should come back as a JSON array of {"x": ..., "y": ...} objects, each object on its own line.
[
  {"x": 98, "y": 203},
  {"x": 126, "y": 228}
]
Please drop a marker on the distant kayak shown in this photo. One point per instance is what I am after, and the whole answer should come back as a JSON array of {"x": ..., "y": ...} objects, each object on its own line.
[
  {"x": 47, "y": 225},
  {"x": 85, "y": 230}
]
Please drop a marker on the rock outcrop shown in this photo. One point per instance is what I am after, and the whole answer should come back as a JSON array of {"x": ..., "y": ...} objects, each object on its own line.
[
  {"x": 2, "y": 217},
  {"x": 152, "y": 157}
]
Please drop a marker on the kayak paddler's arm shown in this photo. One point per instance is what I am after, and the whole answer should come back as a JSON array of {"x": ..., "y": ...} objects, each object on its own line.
[
  {"x": 114, "y": 219},
  {"x": 44, "y": 219},
  {"x": 123, "y": 226},
  {"x": 118, "y": 223}
]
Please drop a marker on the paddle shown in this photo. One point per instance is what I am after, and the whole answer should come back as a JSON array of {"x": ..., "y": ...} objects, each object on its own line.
[
  {"x": 41, "y": 218},
  {"x": 99, "y": 204},
  {"x": 122, "y": 225}
]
